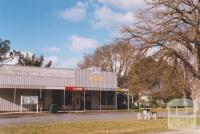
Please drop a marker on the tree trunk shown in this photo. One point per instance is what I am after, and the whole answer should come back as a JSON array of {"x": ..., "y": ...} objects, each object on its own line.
[{"x": 196, "y": 93}]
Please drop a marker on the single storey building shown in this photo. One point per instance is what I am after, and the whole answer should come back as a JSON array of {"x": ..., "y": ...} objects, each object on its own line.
[{"x": 70, "y": 89}]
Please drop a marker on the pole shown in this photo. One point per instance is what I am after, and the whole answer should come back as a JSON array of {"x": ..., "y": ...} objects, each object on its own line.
[
  {"x": 100, "y": 100},
  {"x": 84, "y": 100},
  {"x": 14, "y": 99},
  {"x": 116, "y": 100},
  {"x": 64, "y": 99},
  {"x": 21, "y": 104},
  {"x": 37, "y": 108},
  {"x": 139, "y": 101},
  {"x": 128, "y": 100},
  {"x": 169, "y": 117},
  {"x": 132, "y": 99},
  {"x": 40, "y": 105},
  {"x": 40, "y": 94}
]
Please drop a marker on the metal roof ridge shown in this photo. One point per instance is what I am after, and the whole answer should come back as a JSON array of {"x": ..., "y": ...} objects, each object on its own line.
[{"x": 51, "y": 68}]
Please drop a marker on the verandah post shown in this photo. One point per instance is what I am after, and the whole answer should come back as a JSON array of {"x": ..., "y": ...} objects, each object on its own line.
[
  {"x": 128, "y": 99},
  {"x": 14, "y": 99},
  {"x": 84, "y": 99},
  {"x": 64, "y": 100},
  {"x": 116, "y": 100},
  {"x": 100, "y": 100}
]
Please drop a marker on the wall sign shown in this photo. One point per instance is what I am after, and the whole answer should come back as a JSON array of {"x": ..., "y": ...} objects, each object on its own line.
[
  {"x": 30, "y": 100},
  {"x": 96, "y": 77},
  {"x": 71, "y": 88}
]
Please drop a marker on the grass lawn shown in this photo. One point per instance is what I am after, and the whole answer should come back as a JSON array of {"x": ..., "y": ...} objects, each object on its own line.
[{"x": 91, "y": 127}]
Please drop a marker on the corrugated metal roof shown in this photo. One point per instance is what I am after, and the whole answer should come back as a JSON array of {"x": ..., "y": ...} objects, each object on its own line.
[
  {"x": 34, "y": 77},
  {"x": 35, "y": 71}
]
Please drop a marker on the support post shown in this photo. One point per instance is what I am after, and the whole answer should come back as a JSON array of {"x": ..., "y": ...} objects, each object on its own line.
[
  {"x": 37, "y": 108},
  {"x": 21, "y": 103},
  {"x": 128, "y": 100},
  {"x": 40, "y": 94},
  {"x": 40, "y": 105},
  {"x": 169, "y": 117},
  {"x": 100, "y": 100},
  {"x": 64, "y": 100},
  {"x": 132, "y": 99},
  {"x": 116, "y": 100},
  {"x": 84, "y": 100},
  {"x": 14, "y": 99}
]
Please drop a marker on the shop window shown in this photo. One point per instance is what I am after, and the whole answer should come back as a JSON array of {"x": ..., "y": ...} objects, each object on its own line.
[
  {"x": 103, "y": 98},
  {"x": 68, "y": 98},
  {"x": 110, "y": 98},
  {"x": 107, "y": 98}
]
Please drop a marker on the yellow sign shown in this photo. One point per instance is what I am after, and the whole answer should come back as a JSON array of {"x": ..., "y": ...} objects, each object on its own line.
[
  {"x": 121, "y": 90},
  {"x": 96, "y": 78}
]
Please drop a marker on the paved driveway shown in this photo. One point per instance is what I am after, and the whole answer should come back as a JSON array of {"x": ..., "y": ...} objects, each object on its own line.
[
  {"x": 53, "y": 118},
  {"x": 73, "y": 117}
]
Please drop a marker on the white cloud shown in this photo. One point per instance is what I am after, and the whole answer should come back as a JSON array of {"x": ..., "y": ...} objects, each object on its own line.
[
  {"x": 69, "y": 63},
  {"x": 62, "y": 63},
  {"x": 76, "y": 13},
  {"x": 78, "y": 43},
  {"x": 52, "y": 49},
  {"x": 54, "y": 59},
  {"x": 123, "y": 4},
  {"x": 105, "y": 17}
]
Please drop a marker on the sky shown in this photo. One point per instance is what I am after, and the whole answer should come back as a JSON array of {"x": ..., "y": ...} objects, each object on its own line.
[{"x": 64, "y": 30}]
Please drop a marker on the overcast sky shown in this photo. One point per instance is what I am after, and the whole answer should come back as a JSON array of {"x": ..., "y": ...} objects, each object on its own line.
[{"x": 63, "y": 30}]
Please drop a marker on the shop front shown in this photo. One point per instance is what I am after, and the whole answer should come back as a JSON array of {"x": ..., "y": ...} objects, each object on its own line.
[{"x": 92, "y": 88}]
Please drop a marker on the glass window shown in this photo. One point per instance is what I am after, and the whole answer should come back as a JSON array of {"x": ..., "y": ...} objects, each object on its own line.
[
  {"x": 103, "y": 98},
  {"x": 68, "y": 98},
  {"x": 110, "y": 98}
]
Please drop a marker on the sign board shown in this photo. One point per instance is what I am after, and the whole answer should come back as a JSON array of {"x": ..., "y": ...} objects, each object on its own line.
[
  {"x": 55, "y": 88},
  {"x": 30, "y": 100},
  {"x": 96, "y": 77},
  {"x": 72, "y": 88},
  {"x": 122, "y": 90}
]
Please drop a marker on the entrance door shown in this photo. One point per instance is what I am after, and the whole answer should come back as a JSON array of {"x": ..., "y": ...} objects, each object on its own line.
[
  {"x": 121, "y": 101},
  {"x": 57, "y": 98},
  {"x": 88, "y": 102}
]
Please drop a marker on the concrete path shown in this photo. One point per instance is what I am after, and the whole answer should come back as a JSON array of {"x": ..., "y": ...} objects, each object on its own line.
[{"x": 193, "y": 131}]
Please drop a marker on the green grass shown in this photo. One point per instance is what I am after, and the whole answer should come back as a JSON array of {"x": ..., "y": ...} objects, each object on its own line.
[{"x": 91, "y": 127}]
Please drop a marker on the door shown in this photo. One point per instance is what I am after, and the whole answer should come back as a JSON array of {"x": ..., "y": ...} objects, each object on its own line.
[
  {"x": 57, "y": 98},
  {"x": 88, "y": 102}
]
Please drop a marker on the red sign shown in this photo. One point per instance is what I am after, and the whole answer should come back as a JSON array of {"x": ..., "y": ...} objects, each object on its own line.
[{"x": 70, "y": 88}]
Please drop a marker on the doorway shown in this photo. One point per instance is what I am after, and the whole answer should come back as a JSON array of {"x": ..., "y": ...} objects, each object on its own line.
[
  {"x": 57, "y": 98},
  {"x": 88, "y": 101}
]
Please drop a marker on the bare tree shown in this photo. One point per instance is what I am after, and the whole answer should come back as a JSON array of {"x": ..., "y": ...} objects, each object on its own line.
[
  {"x": 116, "y": 57},
  {"x": 173, "y": 28}
]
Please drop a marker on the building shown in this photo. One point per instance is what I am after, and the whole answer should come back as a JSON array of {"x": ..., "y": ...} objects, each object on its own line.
[{"x": 70, "y": 89}]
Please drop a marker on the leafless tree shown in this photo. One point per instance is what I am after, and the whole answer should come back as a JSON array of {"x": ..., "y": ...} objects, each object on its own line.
[
  {"x": 173, "y": 28},
  {"x": 116, "y": 57}
]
